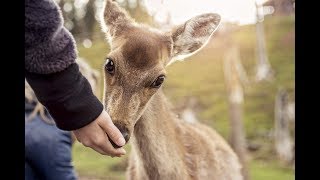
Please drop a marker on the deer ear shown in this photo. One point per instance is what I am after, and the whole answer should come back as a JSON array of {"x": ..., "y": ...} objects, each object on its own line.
[
  {"x": 191, "y": 36},
  {"x": 114, "y": 19}
]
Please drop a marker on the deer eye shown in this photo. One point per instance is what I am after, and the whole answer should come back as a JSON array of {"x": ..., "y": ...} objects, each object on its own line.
[
  {"x": 157, "y": 83},
  {"x": 109, "y": 66}
]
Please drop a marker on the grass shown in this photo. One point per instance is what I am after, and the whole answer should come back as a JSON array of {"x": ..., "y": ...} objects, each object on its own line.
[
  {"x": 261, "y": 170},
  {"x": 90, "y": 164},
  {"x": 202, "y": 76}
]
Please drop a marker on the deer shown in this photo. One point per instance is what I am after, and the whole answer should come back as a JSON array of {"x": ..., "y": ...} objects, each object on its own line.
[{"x": 163, "y": 147}]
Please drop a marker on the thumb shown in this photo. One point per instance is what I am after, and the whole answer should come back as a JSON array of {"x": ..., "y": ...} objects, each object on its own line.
[{"x": 112, "y": 131}]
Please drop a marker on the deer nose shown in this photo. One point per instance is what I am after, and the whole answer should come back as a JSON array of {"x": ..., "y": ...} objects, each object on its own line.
[{"x": 125, "y": 133}]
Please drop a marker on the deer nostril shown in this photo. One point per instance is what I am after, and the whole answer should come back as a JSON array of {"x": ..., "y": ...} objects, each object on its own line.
[{"x": 125, "y": 134}]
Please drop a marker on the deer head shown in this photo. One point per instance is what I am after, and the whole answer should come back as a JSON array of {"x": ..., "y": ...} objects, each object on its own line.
[{"x": 135, "y": 67}]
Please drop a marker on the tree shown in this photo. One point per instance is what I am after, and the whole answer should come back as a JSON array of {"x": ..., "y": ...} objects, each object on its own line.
[
  {"x": 235, "y": 77},
  {"x": 283, "y": 143},
  {"x": 263, "y": 71}
]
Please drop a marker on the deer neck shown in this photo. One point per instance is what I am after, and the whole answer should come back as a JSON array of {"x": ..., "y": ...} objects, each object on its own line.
[{"x": 156, "y": 141}]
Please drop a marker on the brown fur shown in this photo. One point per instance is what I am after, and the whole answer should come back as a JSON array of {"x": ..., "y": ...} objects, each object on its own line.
[{"x": 163, "y": 147}]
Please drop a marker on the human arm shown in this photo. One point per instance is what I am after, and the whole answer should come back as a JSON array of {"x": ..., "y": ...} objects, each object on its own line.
[{"x": 53, "y": 74}]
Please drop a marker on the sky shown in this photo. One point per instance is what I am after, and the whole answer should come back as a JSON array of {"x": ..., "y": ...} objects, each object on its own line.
[
  {"x": 241, "y": 12},
  {"x": 238, "y": 11}
]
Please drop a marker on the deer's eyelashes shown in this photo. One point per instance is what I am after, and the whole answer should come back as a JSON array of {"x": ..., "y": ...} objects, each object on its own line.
[
  {"x": 109, "y": 66},
  {"x": 158, "y": 82}
]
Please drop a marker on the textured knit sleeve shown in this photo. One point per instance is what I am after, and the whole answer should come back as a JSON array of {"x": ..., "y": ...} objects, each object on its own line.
[
  {"x": 49, "y": 46},
  {"x": 51, "y": 70}
]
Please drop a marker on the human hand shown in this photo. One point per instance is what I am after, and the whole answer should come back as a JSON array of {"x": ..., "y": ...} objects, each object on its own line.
[{"x": 94, "y": 135}]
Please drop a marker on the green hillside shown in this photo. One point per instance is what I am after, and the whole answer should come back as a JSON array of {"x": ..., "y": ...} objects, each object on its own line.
[{"x": 201, "y": 76}]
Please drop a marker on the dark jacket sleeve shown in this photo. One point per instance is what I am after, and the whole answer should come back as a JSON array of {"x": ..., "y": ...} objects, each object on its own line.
[{"x": 51, "y": 70}]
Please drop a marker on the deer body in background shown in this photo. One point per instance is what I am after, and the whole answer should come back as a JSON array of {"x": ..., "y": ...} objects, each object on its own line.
[{"x": 163, "y": 146}]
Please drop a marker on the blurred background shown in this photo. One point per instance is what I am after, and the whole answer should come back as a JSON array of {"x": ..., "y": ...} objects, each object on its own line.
[{"x": 242, "y": 83}]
